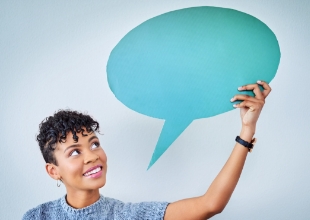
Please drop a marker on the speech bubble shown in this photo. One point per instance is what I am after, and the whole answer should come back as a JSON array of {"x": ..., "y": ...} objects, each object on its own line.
[{"x": 187, "y": 64}]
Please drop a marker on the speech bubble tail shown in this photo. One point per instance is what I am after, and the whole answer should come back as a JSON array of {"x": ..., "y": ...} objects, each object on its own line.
[{"x": 170, "y": 132}]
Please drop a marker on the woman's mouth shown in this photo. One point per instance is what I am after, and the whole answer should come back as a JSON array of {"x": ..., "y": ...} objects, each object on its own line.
[{"x": 94, "y": 172}]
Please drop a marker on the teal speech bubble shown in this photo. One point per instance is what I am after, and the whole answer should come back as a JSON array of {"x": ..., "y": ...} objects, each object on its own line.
[{"x": 187, "y": 64}]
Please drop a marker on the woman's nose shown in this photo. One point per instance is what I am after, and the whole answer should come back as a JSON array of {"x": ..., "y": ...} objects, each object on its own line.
[{"x": 90, "y": 158}]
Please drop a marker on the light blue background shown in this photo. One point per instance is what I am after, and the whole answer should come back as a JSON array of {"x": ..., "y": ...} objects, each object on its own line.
[{"x": 54, "y": 54}]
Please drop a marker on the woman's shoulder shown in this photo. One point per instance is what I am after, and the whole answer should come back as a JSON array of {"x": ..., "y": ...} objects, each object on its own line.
[{"x": 47, "y": 209}]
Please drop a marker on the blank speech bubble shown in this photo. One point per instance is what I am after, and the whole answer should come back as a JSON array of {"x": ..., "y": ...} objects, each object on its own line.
[{"x": 187, "y": 64}]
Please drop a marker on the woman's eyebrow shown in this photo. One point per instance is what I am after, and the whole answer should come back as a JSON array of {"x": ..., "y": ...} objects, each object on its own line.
[
  {"x": 78, "y": 145},
  {"x": 71, "y": 146},
  {"x": 91, "y": 138}
]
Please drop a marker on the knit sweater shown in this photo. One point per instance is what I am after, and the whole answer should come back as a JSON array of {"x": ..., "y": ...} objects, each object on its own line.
[{"x": 104, "y": 208}]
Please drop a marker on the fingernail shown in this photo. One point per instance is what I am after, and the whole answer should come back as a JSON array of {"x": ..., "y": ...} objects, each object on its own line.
[
  {"x": 239, "y": 88},
  {"x": 258, "y": 81},
  {"x": 235, "y": 105},
  {"x": 232, "y": 99}
]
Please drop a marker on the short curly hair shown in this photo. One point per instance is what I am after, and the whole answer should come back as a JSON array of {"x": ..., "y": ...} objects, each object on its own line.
[{"x": 55, "y": 128}]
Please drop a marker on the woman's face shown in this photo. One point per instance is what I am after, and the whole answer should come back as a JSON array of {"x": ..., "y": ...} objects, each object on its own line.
[{"x": 81, "y": 165}]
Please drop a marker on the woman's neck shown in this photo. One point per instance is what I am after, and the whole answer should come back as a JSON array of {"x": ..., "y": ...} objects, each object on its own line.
[{"x": 82, "y": 199}]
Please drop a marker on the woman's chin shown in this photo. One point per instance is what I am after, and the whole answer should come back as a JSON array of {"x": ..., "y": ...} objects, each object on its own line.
[{"x": 99, "y": 183}]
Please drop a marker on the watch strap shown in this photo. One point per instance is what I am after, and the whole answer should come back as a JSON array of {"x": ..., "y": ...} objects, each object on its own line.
[{"x": 245, "y": 143}]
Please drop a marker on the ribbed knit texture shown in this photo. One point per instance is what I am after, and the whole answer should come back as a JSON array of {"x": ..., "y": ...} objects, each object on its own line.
[{"x": 104, "y": 208}]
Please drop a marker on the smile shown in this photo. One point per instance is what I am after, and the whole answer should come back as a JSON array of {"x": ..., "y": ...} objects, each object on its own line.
[{"x": 94, "y": 172}]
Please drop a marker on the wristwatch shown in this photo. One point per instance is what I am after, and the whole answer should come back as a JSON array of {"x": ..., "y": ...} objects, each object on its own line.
[{"x": 245, "y": 143}]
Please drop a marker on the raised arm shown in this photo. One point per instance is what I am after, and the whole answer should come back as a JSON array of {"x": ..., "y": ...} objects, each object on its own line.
[{"x": 221, "y": 189}]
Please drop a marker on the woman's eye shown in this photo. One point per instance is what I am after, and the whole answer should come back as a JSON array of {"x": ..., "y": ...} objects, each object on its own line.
[
  {"x": 74, "y": 153},
  {"x": 95, "y": 145}
]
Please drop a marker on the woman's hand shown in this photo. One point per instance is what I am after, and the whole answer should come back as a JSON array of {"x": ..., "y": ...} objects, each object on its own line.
[{"x": 250, "y": 107}]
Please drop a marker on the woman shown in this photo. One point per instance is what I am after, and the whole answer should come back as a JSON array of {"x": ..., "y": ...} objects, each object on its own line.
[{"x": 73, "y": 156}]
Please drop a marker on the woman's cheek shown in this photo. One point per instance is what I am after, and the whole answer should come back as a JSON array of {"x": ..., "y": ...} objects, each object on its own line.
[
  {"x": 103, "y": 156},
  {"x": 75, "y": 167}
]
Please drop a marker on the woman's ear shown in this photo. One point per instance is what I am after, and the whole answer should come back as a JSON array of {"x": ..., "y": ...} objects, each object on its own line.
[{"x": 52, "y": 170}]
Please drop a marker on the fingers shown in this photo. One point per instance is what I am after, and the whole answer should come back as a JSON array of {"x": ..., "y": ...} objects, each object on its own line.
[
  {"x": 255, "y": 88},
  {"x": 250, "y": 102},
  {"x": 258, "y": 93},
  {"x": 246, "y": 98},
  {"x": 267, "y": 88},
  {"x": 252, "y": 106}
]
